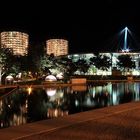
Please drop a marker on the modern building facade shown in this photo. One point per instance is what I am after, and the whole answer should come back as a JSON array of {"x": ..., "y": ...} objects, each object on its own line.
[
  {"x": 16, "y": 41},
  {"x": 57, "y": 47},
  {"x": 113, "y": 57}
]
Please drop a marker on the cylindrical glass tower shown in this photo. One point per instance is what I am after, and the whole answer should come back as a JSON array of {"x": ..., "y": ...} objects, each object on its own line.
[
  {"x": 16, "y": 41},
  {"x": 57, "y": 47}
]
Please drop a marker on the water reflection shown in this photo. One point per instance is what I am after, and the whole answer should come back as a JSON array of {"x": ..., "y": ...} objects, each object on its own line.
[
  {"x": 50, "y": 92},
  {"x": 79, "y": 88},
  {"x": 21, "y": 107}
]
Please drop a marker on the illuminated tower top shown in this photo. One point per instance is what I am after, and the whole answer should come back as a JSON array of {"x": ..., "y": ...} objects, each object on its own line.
[{"x": 125, "y": 46}]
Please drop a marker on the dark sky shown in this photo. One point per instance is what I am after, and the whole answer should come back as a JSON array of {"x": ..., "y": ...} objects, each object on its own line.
[{"x": 86, "y": 24}]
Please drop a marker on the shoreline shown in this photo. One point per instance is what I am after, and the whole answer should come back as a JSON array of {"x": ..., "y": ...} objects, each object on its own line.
[{"x": 57, "y": 84}]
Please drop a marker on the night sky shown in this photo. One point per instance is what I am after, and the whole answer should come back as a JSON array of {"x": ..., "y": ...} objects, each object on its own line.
[{"x": 88, "y": 25}]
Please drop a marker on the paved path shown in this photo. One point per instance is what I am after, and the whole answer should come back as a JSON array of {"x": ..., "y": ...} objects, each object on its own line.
[{"x": 120, "y": 122}]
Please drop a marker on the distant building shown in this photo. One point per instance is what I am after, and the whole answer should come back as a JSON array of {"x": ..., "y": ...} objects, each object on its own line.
[
  {"x": 113, "y": 69},
  {"x": 16, "y": 41},
  {"x": 57, "y": 47}
]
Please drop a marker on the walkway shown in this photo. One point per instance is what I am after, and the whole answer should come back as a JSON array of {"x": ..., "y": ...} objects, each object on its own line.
[{"x": 120, "y": 122}]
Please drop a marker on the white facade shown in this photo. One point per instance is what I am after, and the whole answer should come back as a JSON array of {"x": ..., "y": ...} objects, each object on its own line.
[
  {"x": 16, "y": 41},
  {"x": 114, "y": 60}
]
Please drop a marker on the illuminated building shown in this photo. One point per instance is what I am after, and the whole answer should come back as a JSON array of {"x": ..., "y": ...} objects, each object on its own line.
[
  {"x": 57, "y": 47},
  {"x": 114, "y": 68},
  {"x": 16, "y": 41}
]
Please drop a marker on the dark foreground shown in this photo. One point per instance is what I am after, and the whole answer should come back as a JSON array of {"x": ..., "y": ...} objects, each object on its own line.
[{"x": 120, "y": 122}]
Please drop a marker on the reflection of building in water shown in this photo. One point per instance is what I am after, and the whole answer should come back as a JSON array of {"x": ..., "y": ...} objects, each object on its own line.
[
  {"x": 1, "y": 107},
  {"x": 53, "y": 113},
  {"x": 50, "y": 92},
  {"x": 56, "y": 100},
  {"x": 79, "y": 88},
  {"x": 89, "y": 102},
  {"x": 19, "y": 118},
  {"x": 54, "y": 94},
  {"x": 99, "y": 95},
  {"x": 137, "y": 92},
  {"x": 10, "y": 116}
]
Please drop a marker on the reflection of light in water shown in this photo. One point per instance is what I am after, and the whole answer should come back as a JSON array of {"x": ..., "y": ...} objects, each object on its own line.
[
  {"x": 54, "y": 94},
  {"x": 1, "y": 108},
  {"x": 94, "y": 93},
  {"x": 51, "y": 92},
  {"x": 114, "y": 98},
  {"x": 60, "y": 93},
  {"x": 99, "y": 89},
  {"x": 79, "y": 88},
  {"x": 26, "y": 103},
  {"x": 29, "y": 90},
  {"x": 53, "y": 113},
  {"x": 136, "y": 91},
  {"x": 109, "y": 88},
  {"x": 76, "y": 103},
  {"x": 88, "y": 102},
  {"x": 56, "y": 113},
  {"x": 18, "y": 120}
]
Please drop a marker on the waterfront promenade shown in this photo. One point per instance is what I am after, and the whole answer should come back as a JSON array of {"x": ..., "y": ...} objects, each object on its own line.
[{"x": 121, "y": 122}]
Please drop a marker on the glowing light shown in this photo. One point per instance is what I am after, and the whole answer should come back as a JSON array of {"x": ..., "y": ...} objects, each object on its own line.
[
  {"x": 50, "y": 78},
  {"x": 115, "y": 100},
  {"x": 29, "y": 90},
  {"x": 51, "y": 92},
  {"x": 125, "y": 38},
  {"x": 126, "y": 50},
  {"x": 59, "y": 76},
  {"x": 135, "y": 72},
  {"x": 9, "y": 78},
  {"x": 76, "y": 103},
  {"x": 88, "y": 102},
  {"x": 126, "y": 28},
  {"x": 94, "y": 92}
]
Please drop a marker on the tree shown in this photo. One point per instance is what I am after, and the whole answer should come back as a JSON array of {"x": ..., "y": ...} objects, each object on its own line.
[
  {"x": 125, "y": 62},
  {"x": 6, "y": 58},
  {"x": 82, "y": 66},
  {"x": 101, "y": 62},
  {"x": 35, "y": 54},
  {"x": 67, "y": 66},
  {"x": 47, "y": 63},
  {"x": 18, "y": 64}
]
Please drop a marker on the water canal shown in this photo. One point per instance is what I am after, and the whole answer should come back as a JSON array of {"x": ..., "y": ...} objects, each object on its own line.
[{"x": 26, "y": 105}]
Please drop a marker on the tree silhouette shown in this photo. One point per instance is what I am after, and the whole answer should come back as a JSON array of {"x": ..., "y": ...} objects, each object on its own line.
[
  {"x": 82, "y": 66},
  {"x": 6, "y": 57},
  {"x": 101, "y": 62},
  {"x": 125, "y": 62}
]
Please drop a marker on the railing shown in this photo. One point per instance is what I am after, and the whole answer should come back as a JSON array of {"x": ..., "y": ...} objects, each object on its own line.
[{"x": 5, "y": 95}]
